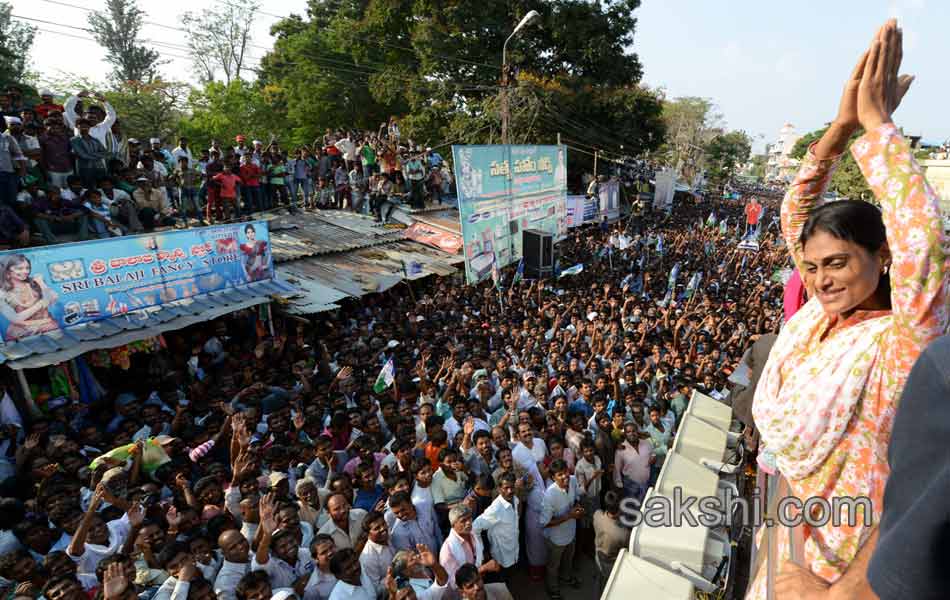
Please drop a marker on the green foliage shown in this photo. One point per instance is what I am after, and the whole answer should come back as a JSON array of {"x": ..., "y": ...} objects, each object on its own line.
[
  {"x": 222, "y": 111},
  {"x": 758, "y": 166},
  {"x": 847, "y": 179},
  {"x": 16, "y": 39},
  {"x": 150, "y": 109},
  {"x": 116, "y": 29},
  {"x": 436, "y": 65},
  {"x": 724, "y": 154},
  {"x": 690, "y": 123}
]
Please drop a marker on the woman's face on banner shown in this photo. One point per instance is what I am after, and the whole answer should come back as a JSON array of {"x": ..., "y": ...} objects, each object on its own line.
[
  {"x": 251, "y": 234},
  {"x": 21, "y": 270}
]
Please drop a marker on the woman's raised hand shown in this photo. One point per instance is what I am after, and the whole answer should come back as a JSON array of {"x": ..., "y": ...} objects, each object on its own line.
[{"x": 881, "y": 89}]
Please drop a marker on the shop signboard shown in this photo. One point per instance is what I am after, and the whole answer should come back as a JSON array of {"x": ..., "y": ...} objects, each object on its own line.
[{"x": 52, "y": 288}]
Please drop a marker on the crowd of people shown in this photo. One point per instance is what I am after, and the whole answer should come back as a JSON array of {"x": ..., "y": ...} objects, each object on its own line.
[
  {"x": 71, "y": 170},
  {"x": 433, "y": 440},
  {"x": 246, "y": 466}
]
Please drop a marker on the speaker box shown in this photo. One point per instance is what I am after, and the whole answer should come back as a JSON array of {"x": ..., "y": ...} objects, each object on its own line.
[{"x": 537, "y": 247}]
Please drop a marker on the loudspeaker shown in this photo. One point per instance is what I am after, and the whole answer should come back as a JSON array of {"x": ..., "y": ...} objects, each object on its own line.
[{"x": 537, "y": 247}]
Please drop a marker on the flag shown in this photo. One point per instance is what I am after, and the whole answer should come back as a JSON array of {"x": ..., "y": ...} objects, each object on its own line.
[
  {"x": 413, "y": 268},
  {"x": 711, "y": 221},
  {"x": 674, "y": 273},
  {"x": 519, "y": 274},
  {"x": 723, "y": 227},
  {"x": 693, "y": 284},
  {"x": 385, "y": 378},
  {"x": 578, "y": 268},
  {"x": 659, "y": 246}
]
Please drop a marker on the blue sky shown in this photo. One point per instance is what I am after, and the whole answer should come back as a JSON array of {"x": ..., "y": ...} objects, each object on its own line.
[
  {"x": 762, "y": 62},
  {"x": 765, "y": 63}
]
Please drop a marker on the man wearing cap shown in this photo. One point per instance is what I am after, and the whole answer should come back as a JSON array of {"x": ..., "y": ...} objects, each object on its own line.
[
  {"x": 29, "y": 145},
  {"x": 278, "y": 552},
  {"x": 100, "y": 123},
  {"x": 135, "y": 152},
  {"x": 153, "y": 207},
  {"x": 242, "y": 148},
  {"x": 526, "y": 398},
  {"x": 90, "y": 154},
  {"x": 434, "y": 160}
]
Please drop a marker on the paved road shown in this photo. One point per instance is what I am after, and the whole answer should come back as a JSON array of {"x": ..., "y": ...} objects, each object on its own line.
[{"x": 522, "y": 588}]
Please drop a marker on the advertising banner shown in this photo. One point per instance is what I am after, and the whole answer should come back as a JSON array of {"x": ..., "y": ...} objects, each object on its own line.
[
  {"x": 575, "y": 210},
  {"x": 582, "y": 210},
  {"x": 503, "y": 190},
  {"x": 56, "y": 287}
]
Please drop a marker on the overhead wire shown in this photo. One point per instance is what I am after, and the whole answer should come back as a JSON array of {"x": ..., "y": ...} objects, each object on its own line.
[{"x": 368, "y": 67}]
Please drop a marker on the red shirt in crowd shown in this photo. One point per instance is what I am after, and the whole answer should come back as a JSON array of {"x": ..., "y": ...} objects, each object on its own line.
[
  {"x": 42, "y": 110},
  {"x": 229, "y": 183},
  {"x": 752, "y": 212},
  {"x": 250, "y": 175}
]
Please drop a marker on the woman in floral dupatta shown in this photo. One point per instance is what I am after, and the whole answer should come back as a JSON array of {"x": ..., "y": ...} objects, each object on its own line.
[{"x": 827, "y": 397}]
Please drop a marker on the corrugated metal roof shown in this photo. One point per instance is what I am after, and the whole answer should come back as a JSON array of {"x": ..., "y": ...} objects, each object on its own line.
[
  {"x": 325, "y": 232},
  {"x": 325, "y": 280},
  {"x": 58, "y": 346}
]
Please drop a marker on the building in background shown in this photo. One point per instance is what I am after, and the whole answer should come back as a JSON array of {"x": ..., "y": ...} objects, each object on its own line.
[{"x": 781, "y": 166}]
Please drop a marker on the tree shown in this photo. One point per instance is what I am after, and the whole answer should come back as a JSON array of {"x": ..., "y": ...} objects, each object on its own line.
[
  {"x": 16, "y": 39},
  {"x": 117, "y": 30},
  {"x": 436, "y": 65},
  {"x": 759, "y": 162},
  {"x": 724, "y": 154},
  {"x": 691, "y": 123},
  {"x": 221, "y": 111},
  {"x": 219, "y": 39},
  {"x": 847, "y": 179}
]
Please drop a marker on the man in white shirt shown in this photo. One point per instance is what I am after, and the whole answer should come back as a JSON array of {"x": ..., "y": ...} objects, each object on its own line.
[
  {"x": 322, "y": 581},
  {"x": 177, "y": 561},
  {"x": 346, "y": 524},
  {"x": 235, "y": 550},
  {"x": 500, "y": 521},
  {"x": 353, "y": 584},
  {"x": 183, "y": 151},
  {"x": 348, "y": 149},
  {"x": 377, "y": 554},
  {"x": 559, "y": 513},
  {"x": 278, "y": 553},
  {"x": 95, "y": 539},
  {"x": 102, "y": 122}
]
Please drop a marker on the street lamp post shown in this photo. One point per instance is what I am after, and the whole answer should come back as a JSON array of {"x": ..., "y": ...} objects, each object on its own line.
[{"x": 504, "y": 74}]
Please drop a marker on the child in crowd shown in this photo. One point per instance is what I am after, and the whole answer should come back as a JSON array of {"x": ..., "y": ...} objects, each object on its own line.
[{"x": 228, "y": 194}]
